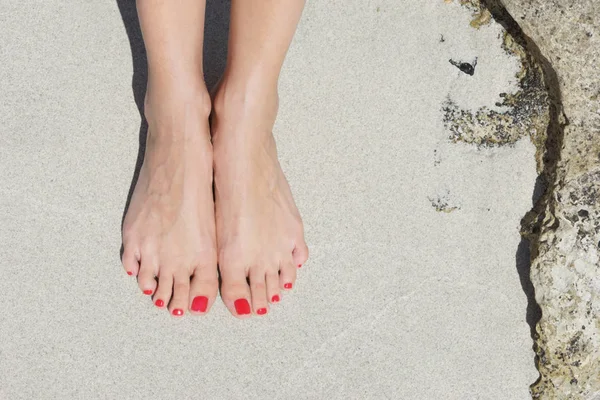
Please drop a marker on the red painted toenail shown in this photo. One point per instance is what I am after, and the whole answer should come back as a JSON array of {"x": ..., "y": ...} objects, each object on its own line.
[
  {"x": 129, "y": 273},
  {"x": 148, "y": 292},
  {"x": 261, "y": 311},
  {"x": 287, "y": 286},
  {"x": 299, "y": 265},
  {"x": 275, "y": 298},
  {"x": 241, "y": 306},
  {"x": 159, "y": 303},
  {"x": 199, "y": 304},
  {"x": 177, "y": 312}
]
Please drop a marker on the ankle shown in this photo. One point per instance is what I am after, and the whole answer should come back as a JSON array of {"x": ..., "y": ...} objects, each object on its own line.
[
  {"x": 173, "y": 98},
  {"x": 249, "y": 97},
  {"x": 177, "y": 115}
]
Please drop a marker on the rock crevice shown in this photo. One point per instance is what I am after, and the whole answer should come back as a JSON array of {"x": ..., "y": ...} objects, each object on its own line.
[{"x": 563, "y": 227}]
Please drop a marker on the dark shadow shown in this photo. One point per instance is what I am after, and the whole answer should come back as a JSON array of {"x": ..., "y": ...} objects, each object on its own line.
[
  {"x": 128, "y": 12},
  {"x": 216, "y": 30},
  {"x": 531, "y": 224},
  {"x": 539, "y": 189},
  {"x": 216, "y": 34},
  {"x": 523, "y": 261}
]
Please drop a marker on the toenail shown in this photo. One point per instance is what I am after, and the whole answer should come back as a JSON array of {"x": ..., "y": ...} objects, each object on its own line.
[
  {"x": 177, "y": 312},
  {"x": 287, "y": 286},
  {"x": 129, "y": 273},
  {"x": 148, "y": 292},
  {"x": 261, "y": 311},
  {"x": 275, "y": 298},
  {"x": 242, "y": 307},
  {"x": 299, "y": 265},
  {"x": 159, "y": 303},
  {"x": 199, "y": 304}
]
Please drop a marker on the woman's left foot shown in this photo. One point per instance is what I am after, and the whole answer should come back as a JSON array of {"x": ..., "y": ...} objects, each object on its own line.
[{"x": 260, "y": 237}]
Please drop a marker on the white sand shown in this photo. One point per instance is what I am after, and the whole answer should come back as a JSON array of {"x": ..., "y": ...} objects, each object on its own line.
[{"x": 398, "y": 301}]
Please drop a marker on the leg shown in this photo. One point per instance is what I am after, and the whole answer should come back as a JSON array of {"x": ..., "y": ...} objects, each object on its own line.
[
  {"x": 260, "y": 236},
  {"x": 169, "y": 230}
]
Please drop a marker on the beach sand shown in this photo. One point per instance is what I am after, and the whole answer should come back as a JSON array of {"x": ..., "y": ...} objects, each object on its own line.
[{"x": 411, "y": 290}]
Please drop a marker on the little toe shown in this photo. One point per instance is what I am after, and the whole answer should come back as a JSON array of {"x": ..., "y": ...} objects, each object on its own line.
[
  {"x": 287, "y": 275},
  {"x": 258, "y": 289},
  {"x": 130, "y": 260},
  {"x": 146, "y": 275},
  {"x": 272, "y": 280},
  {"x": 203, "y": 289},
  {"x": 236, "y": 293},
  {"x": 300, "y": 253},
  {"x": 181, "y": 293},
  {"x": 163, "y": 293}
]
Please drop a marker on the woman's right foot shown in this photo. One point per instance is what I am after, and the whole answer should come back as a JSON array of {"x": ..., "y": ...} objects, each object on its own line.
[{"x": 169, "y": 230}]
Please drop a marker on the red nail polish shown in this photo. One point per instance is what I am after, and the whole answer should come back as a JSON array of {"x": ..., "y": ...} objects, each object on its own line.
[
  {"x": 129, "y": 273},
  {"x": 299, "y": 265},
  {"x": 242, "y": 307},
  {"x": 178, "y": 312},
  {"x": 199, "y": 303},
  {"x": 261, "y": 311},
  {"x": 275, "y": 299},
  {"x": 159, "y": 303},
  {"x": 287, "y": 286},
  {"x": 148, "y": 292}
]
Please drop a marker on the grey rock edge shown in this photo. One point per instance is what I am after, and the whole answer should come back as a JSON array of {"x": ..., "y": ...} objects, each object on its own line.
[
  {"x": 564, "y": 226},
  {"x": 525, "y": 112}
]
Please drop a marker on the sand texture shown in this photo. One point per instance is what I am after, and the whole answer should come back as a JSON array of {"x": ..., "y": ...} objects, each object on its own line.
[{"x": 411, "y": 192}]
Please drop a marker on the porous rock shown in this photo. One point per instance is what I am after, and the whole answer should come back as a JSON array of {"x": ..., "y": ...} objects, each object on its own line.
[{"x": 564, "y": 227}]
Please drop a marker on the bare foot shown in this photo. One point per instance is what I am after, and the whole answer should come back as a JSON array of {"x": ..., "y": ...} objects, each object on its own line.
[
  {"x": 260, "y": 235},
  {"x": 169, "y": 229}
]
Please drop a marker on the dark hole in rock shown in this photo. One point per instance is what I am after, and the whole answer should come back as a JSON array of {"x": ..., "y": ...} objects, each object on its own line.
[{"x": 467, "y": 68}]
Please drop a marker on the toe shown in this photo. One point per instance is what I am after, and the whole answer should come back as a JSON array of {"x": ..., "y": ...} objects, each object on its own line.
[
  {"x": 146, "y": 281},
  {"x": 235, "y": 292},
  {"x": 300, "y": 253},
  {"x": 130, "y": 260},
  {"x": 164, "y": 290},
  {"x": 181, "y": 293},
  {"x": 272, "y": 280},
  {"x": 287, "y": 275},
  {"x": 258, "y": 288},
  {"x": 203, "y": 289}
]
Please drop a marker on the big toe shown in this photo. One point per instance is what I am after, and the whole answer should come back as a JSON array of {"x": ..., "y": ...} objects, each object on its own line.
[
  {"x": 236, "y": 292},
  {"x": 203, "y": 289}
]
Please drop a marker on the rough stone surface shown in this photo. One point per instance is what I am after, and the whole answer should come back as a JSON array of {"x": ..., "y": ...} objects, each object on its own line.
[
  {"x": 522, "y": 113},
  {"x": 564, "y": 227}
]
